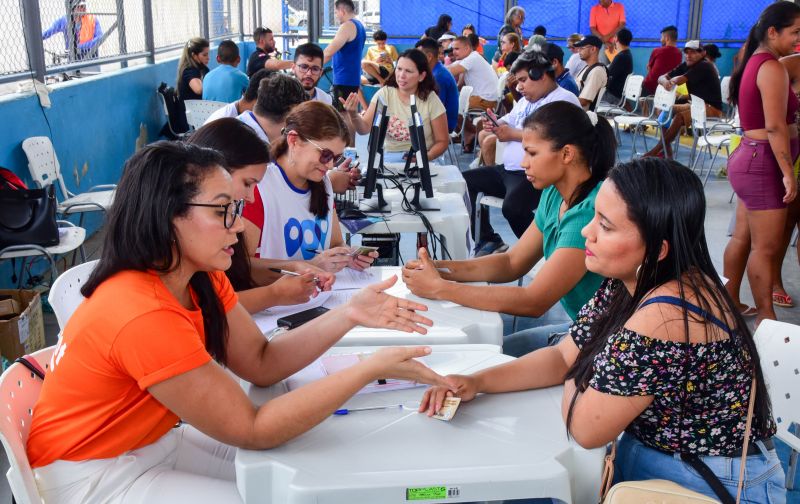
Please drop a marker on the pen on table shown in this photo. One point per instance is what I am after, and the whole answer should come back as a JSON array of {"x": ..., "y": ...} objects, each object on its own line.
[
  {"x": 315, "y": 251},
  {"x": 290, "y": 273},
  {"x": 345, "y": 411}
]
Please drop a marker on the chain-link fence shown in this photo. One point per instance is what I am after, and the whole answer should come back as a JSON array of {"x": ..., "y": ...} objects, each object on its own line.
[
  {"x": 223, "y": 18},
  {"x": 724, "y": 21},
  {"x": 175, "y": 22},
  {"x": 13, "y": 53}
]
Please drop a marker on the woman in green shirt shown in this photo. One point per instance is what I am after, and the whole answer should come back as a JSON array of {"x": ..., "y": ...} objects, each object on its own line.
[{"x": 567, "y": 155}]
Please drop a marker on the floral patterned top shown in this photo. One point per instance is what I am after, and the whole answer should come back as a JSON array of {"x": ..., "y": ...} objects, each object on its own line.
[{"x": 717, "y": 384}]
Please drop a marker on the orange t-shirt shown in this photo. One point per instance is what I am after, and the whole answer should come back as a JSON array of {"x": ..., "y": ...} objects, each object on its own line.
[
  {"x": 606, "y": 19},
  {"x": 130, "y": 334}
]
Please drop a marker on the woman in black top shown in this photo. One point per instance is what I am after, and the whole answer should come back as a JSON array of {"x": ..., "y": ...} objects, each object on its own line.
[
  {"x": 443, "y": 25},
  {"x": 192, "y": 67}
]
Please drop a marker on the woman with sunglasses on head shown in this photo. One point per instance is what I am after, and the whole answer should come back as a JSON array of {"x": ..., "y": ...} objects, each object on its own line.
[
  {"x": 148, "y": 345},
  {"x": 410, "y": 77},
  {"x": 256, "y": 284},
  {"x": 566, "y": 155},
  {"x": 293, "y": 217},
  {"x": 660, "y": 354}
]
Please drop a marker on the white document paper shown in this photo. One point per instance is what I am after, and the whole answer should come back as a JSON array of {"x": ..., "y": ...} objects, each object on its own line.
[{"x": 267, "y": 320}]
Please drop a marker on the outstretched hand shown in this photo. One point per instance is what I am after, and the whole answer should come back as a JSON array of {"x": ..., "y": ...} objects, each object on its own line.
[
  {"x": 372, "y": 307},
  {"x": 422, "y": 277}
]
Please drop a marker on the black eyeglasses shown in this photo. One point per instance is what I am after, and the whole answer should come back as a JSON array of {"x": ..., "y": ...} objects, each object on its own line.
[
  {"x": 231, "y": 211},
  {"x": 326, "y": 155},
  {"x": 307, "y": 68}
]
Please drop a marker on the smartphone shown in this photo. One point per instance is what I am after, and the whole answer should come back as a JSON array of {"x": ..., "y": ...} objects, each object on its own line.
[
  {"x": 492, "y": 118},
  {"x": 300, "y": 318},
  {"x": 363, "y": 251}
]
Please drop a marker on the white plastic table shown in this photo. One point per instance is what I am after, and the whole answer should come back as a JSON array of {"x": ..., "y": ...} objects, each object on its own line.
[
  {"x": 452, "y": 323},
  {"x": 451, "y": 222},
  {"x": 444, "y": 178},
  {"x": 499, "y": 446}
]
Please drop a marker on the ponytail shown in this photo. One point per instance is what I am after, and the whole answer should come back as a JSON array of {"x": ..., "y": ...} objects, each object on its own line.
[
  {"x": 194, "y": 46},
  {"x": 563, "y": 123},
  {"x": 778, "y": 15}
]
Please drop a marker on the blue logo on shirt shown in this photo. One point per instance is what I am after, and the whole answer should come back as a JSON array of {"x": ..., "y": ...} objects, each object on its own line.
[{"x": 306, "y": 236}]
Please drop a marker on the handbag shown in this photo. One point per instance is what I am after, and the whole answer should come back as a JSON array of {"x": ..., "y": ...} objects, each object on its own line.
[
  {"x": 668, "y": 492},
  {"x": 28, "y": 216}
]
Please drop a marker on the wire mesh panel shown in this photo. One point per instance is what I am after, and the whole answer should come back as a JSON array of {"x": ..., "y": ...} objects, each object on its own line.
[
  {"x": 722, "y": 20},
  {"x": 223, "y": 18},
  {"x": 175, "y": 21},
  {"x": 564, "y": 17},
  {"x": 13, "y": 52},
  {"x": 288, "y": 21},
  {"x": 410, "y": 18},
  {"x": 77, "y": 30}
]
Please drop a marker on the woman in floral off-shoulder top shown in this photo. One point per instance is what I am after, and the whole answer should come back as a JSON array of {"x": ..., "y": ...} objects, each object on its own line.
[{"x": 660, "y": 354}]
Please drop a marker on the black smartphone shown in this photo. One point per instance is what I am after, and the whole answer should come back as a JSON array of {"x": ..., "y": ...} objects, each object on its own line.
[
  {"x": 491, "y": 119},
  {"x": 300, "y": 318}
]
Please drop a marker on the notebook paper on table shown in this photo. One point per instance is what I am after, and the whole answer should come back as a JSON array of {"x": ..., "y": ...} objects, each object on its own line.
[{"x": 330, "y": 364}]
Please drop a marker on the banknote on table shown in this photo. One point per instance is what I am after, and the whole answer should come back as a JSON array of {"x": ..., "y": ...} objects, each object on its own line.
[{"x": 448, "y": 409}]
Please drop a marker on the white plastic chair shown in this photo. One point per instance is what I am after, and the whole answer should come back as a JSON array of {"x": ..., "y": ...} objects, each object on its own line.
[
  {"x": 45, "y": 170},
  {"x": 65, "y": 293},
  {"x": 707, "y": 134},
  {"x": 70, "y": 237},
  {"x": 778, "y": 346},
  {"x": 19, "y": 388},
  {"x": 489, "y": 201},
  {"x": 725, "y": 92},
  {"x": 197, "y": 111},
  {"x": 662, "y": 102},
  {"x": 631, "y": 92}
]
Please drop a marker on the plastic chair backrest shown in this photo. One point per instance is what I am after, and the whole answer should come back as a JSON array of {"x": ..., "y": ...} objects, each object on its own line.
[
  {"x": 698, "y": 112},
  {"x": 501, "y": 85},
  {"x": 779, "y": 351},
  {"x": 500, "y": 148},
  {"x": 20, "y": 389},
  {"x": 43, "y": 163},
  {"x": 65, "y": 294},
  {"x": 725, "y": 89},
  {"x": 633, "y": 87},
  {"x": 197, "y": 111},
  {"x": 463, "y": 99},
  {"x": 663, "y": 99}
]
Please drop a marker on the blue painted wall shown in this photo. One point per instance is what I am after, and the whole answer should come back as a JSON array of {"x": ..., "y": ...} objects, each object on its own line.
[{"x": 93, "y": 123}]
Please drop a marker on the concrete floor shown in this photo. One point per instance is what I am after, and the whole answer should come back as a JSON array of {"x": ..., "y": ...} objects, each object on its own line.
[{"x": 718, "y": 216}]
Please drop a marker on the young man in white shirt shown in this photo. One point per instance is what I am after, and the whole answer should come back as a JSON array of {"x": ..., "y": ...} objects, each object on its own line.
[
  {"x": 473, "y": 70},
  {"x": 308, "y": 70},
  {"x": 594, "y": 77},
  {"x": 243, "y": 104},
  {"x": 536, "y": 82}
]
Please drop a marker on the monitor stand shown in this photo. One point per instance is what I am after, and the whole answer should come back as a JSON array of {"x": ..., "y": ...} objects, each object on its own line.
[
  {"x": 420, "y": 202},
  {"x": 375, "y": 204}
]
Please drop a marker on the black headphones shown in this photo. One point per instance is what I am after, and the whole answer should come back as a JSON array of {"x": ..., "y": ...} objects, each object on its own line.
[{"x": 540, "y": 66}]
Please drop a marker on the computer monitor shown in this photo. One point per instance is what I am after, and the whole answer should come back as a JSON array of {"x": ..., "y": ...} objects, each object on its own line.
[
  {"x": 377, "y": 135},
  {"x": 419, "y": 152}
]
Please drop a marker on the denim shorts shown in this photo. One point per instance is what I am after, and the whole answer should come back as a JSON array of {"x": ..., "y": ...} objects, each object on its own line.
[
  {"x": 764, "y": 476},
  {"x": 755, "y": 175}
]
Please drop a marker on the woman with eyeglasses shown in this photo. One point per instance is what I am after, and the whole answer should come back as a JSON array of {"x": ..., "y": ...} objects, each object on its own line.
[
  {"x": 257, "y": 286},
  {"x": 293, "y": 217},
  {"x": 410, "y": 77},
  {"x": 147, "y": 347}
]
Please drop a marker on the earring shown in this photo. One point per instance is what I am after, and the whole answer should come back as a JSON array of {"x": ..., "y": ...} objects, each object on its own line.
[{"x": 638, "y": 272}]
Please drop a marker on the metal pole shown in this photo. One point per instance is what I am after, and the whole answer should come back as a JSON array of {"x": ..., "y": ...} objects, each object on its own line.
[
  {"x": 507, "y": 4},
  {"x": 204, "y": 18},
  {"x": 32, "y": 27},
  {"x": 123, "y": 43},
  {"x": 695, "y": 19},
  {"x": 254, "y": 13},
  {"x": 149, "y": 34},
  {"x": 313, "y": 21},
  {"x": 240, "y": 5},
  {"x": 72, "y": 48}
]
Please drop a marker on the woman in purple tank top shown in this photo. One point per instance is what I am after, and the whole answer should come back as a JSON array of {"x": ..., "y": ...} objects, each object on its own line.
[{"x": 761, "y": 168}]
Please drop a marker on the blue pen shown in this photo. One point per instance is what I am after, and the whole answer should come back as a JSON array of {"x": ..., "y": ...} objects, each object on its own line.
[{"x": 345, "y": 411}]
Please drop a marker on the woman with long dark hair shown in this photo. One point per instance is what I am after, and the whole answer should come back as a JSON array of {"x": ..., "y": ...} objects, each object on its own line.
[
  {"x": 192, "y": 67},
  {"x": 660, "y": 352},
  {"x": 761, "y": 168},
  {"x": 293, "y": 217},
  {"x": 148, "y": 345},
  {"x": 410, "y": 77},
  {"x": 442, "y": 26},
  {"x": 257, "y": 286},
  {"x": 567, "y": 154}
]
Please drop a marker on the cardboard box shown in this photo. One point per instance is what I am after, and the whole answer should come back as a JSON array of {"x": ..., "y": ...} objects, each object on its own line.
[{"x": 24, "y": 333}]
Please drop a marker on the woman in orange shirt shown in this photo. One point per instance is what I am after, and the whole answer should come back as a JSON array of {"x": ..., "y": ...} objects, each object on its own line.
[{"x": 148, "y": 345}]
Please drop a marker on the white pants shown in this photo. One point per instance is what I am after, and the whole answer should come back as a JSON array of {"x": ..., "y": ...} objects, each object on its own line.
[{"x": 184, "y": 465}]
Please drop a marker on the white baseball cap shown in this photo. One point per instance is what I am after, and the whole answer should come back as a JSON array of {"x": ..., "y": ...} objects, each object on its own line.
[{"x": 694, "y": 45}]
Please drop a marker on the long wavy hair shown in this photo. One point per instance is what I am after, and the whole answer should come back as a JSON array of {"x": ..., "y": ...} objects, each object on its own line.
[
  {"x": 194, "y": 46},
  {"x": 158, "y": 183},
  {"x": 665, "y": 201}
]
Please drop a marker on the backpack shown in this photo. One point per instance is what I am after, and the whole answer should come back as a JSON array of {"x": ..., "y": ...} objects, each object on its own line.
[
  {"x": 176, "y": 113},
  {"x": 586, "y": 73}
]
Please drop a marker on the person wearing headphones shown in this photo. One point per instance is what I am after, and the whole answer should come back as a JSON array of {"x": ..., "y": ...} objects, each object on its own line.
[{"x": 536, "y": 82}]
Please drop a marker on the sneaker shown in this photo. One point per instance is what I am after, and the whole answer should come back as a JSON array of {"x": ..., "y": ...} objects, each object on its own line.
[
  {"x": 475, "y": 163},
  {"x": 490, "y": 247}
]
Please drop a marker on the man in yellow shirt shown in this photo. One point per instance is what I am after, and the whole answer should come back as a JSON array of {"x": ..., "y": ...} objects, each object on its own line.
[{"x": 380, "y": 60}]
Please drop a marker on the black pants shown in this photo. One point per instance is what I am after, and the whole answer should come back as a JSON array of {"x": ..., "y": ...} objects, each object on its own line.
[
  {"x": 342, "y": 92},
  {"x": 520, "y": 198}
]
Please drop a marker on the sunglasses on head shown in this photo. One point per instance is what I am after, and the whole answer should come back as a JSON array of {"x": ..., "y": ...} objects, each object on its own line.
[{"x": 325, "y": 155}]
